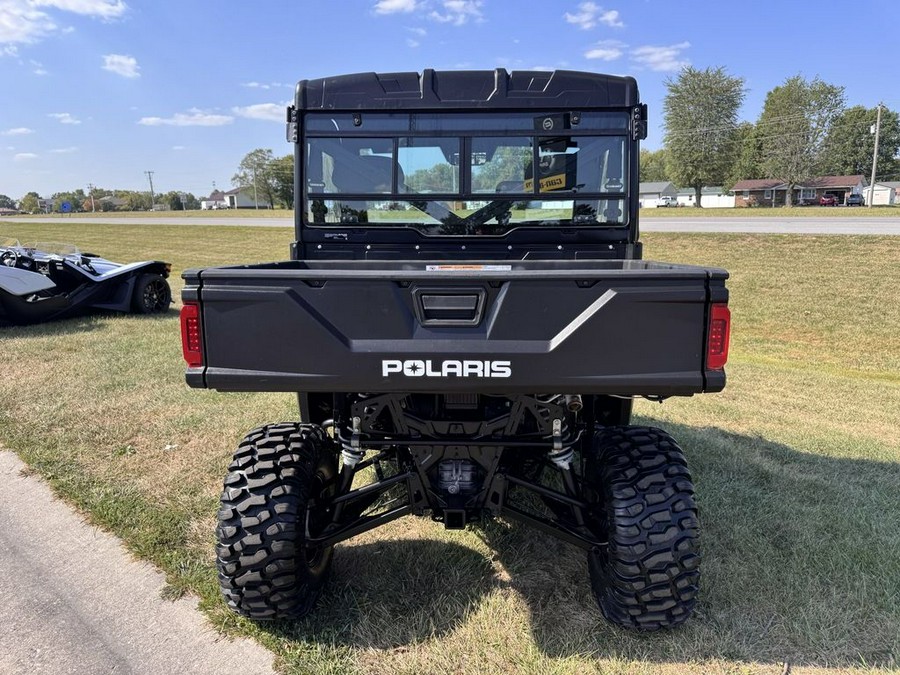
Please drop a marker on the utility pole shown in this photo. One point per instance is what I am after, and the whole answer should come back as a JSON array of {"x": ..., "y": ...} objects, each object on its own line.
[
  {"x": 91, "y": 188},
  {"x": 152, "y": 198},
  {"x": 875, "y": 158}
]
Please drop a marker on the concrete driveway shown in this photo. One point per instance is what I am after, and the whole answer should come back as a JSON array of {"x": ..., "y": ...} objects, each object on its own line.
[{"x": 74, "y": 601}]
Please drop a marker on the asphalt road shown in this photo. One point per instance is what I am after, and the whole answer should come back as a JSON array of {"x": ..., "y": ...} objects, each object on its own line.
[
  {"x": 759, "y": 225},
  {"x": 74, "y": 601}
]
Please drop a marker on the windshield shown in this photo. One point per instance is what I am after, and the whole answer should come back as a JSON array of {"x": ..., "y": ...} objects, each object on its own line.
[
  {"x": 61, "y": 249},
  {"x": 467, "y": 174}
]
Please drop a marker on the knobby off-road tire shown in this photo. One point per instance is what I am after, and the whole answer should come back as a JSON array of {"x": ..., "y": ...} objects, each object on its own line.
[
  {"x": 647, "y": 578},
  {"x": 265, "y": 569}
]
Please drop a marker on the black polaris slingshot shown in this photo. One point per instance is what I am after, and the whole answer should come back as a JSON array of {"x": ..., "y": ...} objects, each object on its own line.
[{"x": 40, "y": 282}]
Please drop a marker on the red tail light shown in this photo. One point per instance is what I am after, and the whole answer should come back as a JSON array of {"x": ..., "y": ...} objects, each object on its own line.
[
  {"x": 719, "y": 335},
  {"x": 191, "y": 341}
]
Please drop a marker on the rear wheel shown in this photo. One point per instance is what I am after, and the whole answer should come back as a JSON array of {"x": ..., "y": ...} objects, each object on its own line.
[
  {"x": 273, "y": 500},
  {"x": 647, "y": 577},
  {"x": 152, "y": 294}
]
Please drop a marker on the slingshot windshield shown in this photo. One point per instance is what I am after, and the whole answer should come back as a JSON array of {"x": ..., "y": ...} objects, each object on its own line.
[{"x": 466, "y": 173}]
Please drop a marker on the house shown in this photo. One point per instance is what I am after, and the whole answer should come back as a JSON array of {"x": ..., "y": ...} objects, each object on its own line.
[
  {"x": 710, "y": 197},
  {"x": 885, "y": 194},
  {"x": 652, "y": 193},
  {"x": 110, "y": 203},
  {"x": 216, "y": 200},
  {"x": 243, "y": 198},
  {"x": 773, "y": 191}
]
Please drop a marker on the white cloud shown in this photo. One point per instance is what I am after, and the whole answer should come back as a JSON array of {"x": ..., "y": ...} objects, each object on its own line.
[
  {"x": 193, "y": 118},
  {"x": 271, "y": 112},
  {"x": 104, "y": 9},
  {"x": 38, "y": 67},
  {"x": 606, "y": 50},
  {"x": 22, "y": 22},
  {"x": 458, "y": 12},
  {"x": 24, "y": 156},
  {"x": 611, "y": 19},
  {"x": 123, "y": 65},
  {"x": 412, "y": 44},
  {"x": 18, "y": 131},
  {"x": 64, "y": 118},
  {"x": 265, "y": 86},
  {"x": 421, "y": 32},
  {"x": 395, "y": 6},
  {"x": 64, "y": 151},
  {"x": 178, "y": 147},
  {"x": 664, "y": 59},
  {"x": 589, "y": 14}
]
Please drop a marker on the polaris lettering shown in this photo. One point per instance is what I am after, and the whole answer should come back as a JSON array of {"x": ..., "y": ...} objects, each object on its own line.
[{"x": 450, "y": 368}]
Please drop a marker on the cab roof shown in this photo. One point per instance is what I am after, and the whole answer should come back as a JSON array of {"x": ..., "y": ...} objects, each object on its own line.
[{"x": 467, "y": 89}]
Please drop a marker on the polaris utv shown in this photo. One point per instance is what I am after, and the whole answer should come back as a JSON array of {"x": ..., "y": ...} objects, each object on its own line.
[{"x": 466, "y": 319}]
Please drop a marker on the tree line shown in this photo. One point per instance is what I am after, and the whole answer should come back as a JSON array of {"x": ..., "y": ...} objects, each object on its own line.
[
  {"x": 99, "y": 200},
  {"x": 805, "y": 129}
]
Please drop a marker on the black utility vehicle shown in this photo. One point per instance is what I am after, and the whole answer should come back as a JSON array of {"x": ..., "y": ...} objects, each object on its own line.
[{"x": 466, "y": 318}]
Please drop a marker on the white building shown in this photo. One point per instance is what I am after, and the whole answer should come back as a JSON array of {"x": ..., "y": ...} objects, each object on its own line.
[
  {"x": 651, "y": 194},
  {"x": 885, "y": 194},
  {"x": 710, "y": 198}
]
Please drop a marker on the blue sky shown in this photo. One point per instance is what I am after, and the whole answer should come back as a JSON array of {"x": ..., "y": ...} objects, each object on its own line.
[{"x": 100, "y": 91}]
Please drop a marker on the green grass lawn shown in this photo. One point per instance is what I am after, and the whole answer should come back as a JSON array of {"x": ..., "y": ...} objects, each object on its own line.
[{"x": 796, "y": 463}]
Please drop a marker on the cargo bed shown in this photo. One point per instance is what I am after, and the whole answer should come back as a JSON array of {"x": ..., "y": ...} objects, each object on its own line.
[{"x": 626, "y": 327}]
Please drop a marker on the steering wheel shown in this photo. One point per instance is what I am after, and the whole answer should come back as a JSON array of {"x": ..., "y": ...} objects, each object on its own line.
[{"x": 9, "y": 258}]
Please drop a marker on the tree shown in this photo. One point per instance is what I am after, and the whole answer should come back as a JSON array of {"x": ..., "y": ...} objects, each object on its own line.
[
  {"x": 136, "y": 201},
  {"x": 191, "y": 203},
  {"x": 794, "y": 123},
  {"x": 748, "y": 156},
  {"x": 30, "y": 203},
  {"x": 7, "y": 202},
  {"x": 700, "y": 111},
  {"x": 255, "y": 172},
  {"x": 283, "y": 177},
  {"x": 73, "y": 199},
  {"x": 653, "y": 166},
  {"x": 508, "y": 163},
  {"x": 173, "y": 201},
  {"x": 850, "y": 144}
]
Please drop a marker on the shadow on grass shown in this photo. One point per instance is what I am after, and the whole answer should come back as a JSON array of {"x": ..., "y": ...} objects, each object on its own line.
[
  {"x": 76, "y": 323},
  {"x": 800, "y": 565}
]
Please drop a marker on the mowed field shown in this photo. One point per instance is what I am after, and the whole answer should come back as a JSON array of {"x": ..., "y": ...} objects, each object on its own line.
[{"x": 796, "y": 464}]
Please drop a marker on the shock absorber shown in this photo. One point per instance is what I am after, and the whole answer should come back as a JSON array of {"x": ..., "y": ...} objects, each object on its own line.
[
  {"x": 562, "y": 456},
  {"x": 351, "y": 455}
]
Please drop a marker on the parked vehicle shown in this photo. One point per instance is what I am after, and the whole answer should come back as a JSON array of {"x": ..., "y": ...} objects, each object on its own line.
[
  {"x": 666, "y": 200},
  {"x": 856, "y": 200},
  {"x": 39, "y": 282},
  {"x": 470, "y": 352},
  {"x": 828, "y": 199}
]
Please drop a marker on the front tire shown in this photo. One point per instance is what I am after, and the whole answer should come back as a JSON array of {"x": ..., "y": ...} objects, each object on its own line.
[
  {"x": 647, "y": 577},
  {"x": 272, "y": 501}
]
